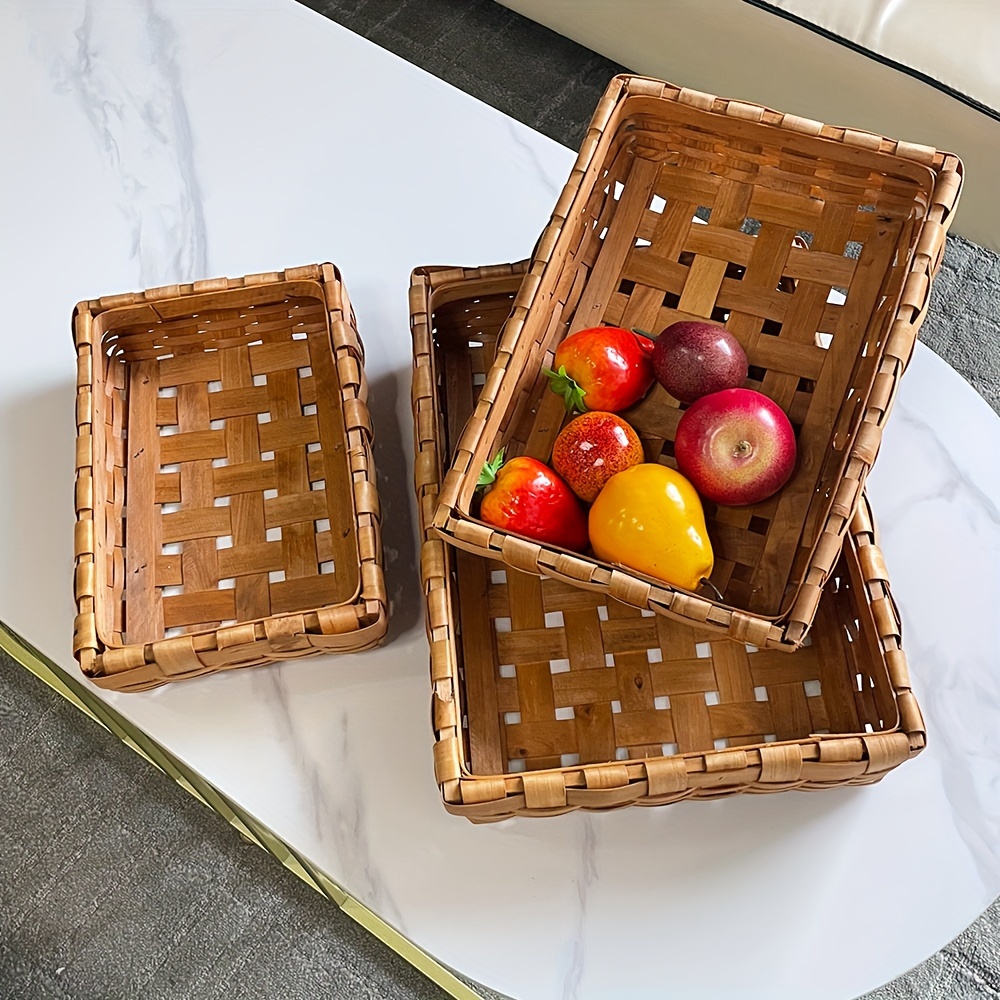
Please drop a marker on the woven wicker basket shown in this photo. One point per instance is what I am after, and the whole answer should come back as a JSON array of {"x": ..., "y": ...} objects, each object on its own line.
[
  {"x": 548, "y": 697},
  {"x": 627, "y": 246},
  {"x": 227, "y": 514}
]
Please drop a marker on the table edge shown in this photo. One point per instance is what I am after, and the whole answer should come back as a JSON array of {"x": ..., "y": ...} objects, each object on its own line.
[{"x": 76, "y": 693}]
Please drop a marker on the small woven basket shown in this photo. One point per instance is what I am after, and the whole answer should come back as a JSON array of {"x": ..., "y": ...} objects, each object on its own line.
[
  {"x": 548, "y": 697},
  {"x": 227, "y": 514},
  {"x": 686, "y": 206}
]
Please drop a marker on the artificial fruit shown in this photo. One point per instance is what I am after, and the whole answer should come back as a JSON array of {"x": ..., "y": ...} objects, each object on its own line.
[
  {"x": 526, "y": 497},
  {"x": 693, "y": 358},
  {"x": 591, "y": 448},
  {"x": 736, "y": 446},
  {"x": 602, "y": 368},
  {"x": 649, "y": 518}
]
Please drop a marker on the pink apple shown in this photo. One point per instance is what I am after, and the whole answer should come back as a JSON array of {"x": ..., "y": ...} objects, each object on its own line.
[{"x": 736, "y": 446}]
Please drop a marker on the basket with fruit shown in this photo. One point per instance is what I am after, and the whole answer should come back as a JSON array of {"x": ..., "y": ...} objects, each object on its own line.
[
  {"x": 786, "y": 267},
  {"x": 548, "y": 697}
]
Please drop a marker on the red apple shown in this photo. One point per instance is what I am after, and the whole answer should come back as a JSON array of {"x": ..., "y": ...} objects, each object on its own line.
[
  {"x": 693, "y": 358},
  {"x": 736, "y": 446}
]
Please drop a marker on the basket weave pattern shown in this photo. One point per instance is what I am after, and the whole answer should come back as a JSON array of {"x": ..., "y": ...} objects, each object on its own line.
[
  {"x": 226, "y": 503},
  {"x": 629, "y": 245},
  {"x": 548, "y": 697}
]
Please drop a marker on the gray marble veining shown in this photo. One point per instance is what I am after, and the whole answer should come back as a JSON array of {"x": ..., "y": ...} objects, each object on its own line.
[{"x": 120, "y": 66}]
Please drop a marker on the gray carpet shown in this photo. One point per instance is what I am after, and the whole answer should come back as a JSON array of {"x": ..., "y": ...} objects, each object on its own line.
[{"x": 115, "y": 883}]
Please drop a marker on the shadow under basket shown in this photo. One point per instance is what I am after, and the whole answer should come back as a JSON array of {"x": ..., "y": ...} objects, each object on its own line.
[
  {"x": 227, "y": 514},
  {"x": 814, "y": 245},
  {"x": 548, "y": 697}
]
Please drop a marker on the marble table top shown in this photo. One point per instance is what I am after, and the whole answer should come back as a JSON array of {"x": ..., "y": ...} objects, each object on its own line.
[{"x": 149, "y": 142}]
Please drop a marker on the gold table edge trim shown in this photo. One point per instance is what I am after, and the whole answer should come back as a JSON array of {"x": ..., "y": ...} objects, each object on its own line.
[{"x": 77, "y": 694}]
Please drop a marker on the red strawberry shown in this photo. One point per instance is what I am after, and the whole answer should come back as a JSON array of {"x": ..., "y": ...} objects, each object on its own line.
[
  {"x": 526, "y": 497},
  {"x": 602, "y": 368}
]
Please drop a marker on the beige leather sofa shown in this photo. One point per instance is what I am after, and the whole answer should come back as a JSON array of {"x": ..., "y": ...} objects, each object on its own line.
[{"x": 927, "y": 71}]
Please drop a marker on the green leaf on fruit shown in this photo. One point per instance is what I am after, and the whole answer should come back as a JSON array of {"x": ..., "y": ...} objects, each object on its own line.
[
  {"x": 564, "y": 385},
  {"x": 488, "y": 474}
]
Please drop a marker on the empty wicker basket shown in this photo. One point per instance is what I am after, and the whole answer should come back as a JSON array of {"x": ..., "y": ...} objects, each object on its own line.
[
  {"x": 828, "y": 329},
  {"x": 227, "y": 513},
  {"x": 548, "y": 697}
]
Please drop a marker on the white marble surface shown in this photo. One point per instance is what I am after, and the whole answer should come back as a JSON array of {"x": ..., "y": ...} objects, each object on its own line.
[{"x": 147, "y": 142}]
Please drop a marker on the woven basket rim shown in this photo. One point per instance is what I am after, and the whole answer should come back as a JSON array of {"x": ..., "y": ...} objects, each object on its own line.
[
  {"x": 488, "y": 797},
  {"x": 362, "y": 614},
  {"x": 787, "y": 628}
]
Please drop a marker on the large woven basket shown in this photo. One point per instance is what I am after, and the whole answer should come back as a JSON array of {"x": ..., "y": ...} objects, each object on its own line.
[
  {"x": 628, "y": 245},
  {"x": 226, "y": 505},
  {"x": 548, "y": 697}
]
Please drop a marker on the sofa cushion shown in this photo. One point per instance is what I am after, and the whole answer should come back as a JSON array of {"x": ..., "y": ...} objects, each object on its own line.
[{"x": 757, "y": 52}]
